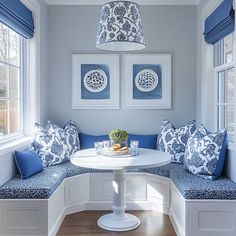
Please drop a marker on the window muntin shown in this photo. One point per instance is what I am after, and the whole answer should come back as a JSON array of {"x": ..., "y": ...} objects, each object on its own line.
[
  {"x": 11, "y": 82},
  {"x": 225, "y": 76}
]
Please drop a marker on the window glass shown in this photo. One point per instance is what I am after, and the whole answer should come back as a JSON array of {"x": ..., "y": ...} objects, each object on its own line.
[
  {"x": 14, "y": 115},
  {"x": 4, "y": 41},
  {"x": 228, "y": 48},
  {"x": 10, "y": 82},
  {"x": 3, "y": 117},
  {"x": 223, "y": 58},
  {"x": 3, "y": 80},
  {"x": 14, "y": 82},
  {"x": 221, "y": 100},
  {"x": 230, "y": 100}
]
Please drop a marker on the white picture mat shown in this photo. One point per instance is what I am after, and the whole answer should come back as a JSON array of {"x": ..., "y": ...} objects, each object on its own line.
[
  {"x": 113, "y": 62},
  {"x": 161, "y": 59}
]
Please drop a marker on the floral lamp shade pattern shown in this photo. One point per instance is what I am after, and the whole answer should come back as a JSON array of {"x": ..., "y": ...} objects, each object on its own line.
[{"x": 120, "y": 27}]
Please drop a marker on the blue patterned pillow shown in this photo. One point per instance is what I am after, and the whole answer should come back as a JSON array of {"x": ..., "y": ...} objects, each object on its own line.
[
  {"x": 174, "y": 140},
  {"x": 205, "y": 153},
  {"x": 54, "y": 144},
  {"x": 52, "y": 149},
  {"x": 69, "y": 133}
]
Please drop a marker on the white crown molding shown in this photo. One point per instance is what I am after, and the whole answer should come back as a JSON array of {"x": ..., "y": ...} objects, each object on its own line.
[{"x": 141, "y": 2}]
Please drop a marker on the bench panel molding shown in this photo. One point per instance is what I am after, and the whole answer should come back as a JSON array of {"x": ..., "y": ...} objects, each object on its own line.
[
  {"x": 158, "y": 193},
  {"x": 23, "y": 217},
  {"x": 214, "y": 218}
]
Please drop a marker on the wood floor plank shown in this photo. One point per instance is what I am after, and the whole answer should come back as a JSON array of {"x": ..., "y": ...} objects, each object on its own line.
[{"x": 85, "y": 223}]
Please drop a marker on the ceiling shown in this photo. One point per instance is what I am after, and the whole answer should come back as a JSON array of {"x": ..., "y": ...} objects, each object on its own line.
[{"x": 141, "y": 2}]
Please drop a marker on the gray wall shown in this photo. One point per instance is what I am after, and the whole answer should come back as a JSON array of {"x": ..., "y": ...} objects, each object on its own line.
[
  {"x": 43, "y": 60},
  {"x": 171, "y": 29}
]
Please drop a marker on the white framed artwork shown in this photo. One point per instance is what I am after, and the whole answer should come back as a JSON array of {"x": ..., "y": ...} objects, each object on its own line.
[
  {"x": 95, "y": 81},
  {"x": 147, "y": 82}
]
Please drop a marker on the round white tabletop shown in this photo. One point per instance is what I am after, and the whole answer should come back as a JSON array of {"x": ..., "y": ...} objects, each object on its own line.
[{"x": 147, "y": 158}]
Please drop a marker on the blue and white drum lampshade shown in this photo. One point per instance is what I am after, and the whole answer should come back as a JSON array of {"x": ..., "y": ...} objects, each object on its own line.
[{"x": 120, "y": 27}]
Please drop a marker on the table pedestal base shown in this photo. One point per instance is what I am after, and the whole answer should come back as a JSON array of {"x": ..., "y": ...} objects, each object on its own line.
[
  {"x": 108, "y": 222},
  {"x": 118, "y": 220}
]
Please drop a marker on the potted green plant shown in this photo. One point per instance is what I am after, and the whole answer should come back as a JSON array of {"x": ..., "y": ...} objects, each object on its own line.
[{"x": 119, "y": 136}]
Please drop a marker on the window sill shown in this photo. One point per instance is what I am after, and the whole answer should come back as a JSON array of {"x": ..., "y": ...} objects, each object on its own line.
[{"x": 12, "y": 145}]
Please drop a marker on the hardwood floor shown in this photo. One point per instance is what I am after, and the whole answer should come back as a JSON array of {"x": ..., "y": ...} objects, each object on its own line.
[{"x": 85, "y": 223}]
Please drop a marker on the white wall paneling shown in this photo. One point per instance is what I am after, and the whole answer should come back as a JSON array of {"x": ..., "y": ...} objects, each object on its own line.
[
  {"x": 93, "y": 192},
  {"x": 158, "y": 193}
]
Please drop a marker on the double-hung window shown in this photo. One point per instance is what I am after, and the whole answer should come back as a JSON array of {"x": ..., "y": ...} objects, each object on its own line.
[
  {"x": 224, "y": 68},
  {"x": 11, "y": 82}
]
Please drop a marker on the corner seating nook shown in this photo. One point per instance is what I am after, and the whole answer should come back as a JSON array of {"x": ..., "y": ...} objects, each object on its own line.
[{"x": 197, "y": 207}]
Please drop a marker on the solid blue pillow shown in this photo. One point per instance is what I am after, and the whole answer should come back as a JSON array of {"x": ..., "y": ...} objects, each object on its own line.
[
  {"x": 87, "y": 140},
  {"x": 145, "y": 141},
  {"x": 28, "y": 163}
]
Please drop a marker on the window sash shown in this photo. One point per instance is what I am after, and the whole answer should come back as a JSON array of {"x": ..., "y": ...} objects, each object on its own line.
[
  {"x": 222, "y": 105},
  {"x": 20, "y": 96}
]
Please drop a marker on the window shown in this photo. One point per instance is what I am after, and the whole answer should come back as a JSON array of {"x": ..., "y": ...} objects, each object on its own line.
[
  {"x": 11, "y": 82},
  {"x": 225, "y": 79}
]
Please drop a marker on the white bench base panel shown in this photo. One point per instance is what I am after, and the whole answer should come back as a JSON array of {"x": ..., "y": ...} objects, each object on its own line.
[{"x": 94, "y": 192}]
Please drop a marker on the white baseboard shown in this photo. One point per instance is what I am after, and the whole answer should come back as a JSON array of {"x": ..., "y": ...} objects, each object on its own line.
[
  {"x": 74, "y": 209},
  {"x": 175, "y": 224},
  {"x": 57, "y": 224}
]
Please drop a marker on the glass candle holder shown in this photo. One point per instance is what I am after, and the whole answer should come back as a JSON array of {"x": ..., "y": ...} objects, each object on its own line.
[
  {"x": 98, "y": 147},
  {"x": 134, "y": 146},
  {"x": 106, "y": 143}
]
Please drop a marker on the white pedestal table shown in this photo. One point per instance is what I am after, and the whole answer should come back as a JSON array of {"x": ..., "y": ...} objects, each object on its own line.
[{"x": 147, "y": 158}]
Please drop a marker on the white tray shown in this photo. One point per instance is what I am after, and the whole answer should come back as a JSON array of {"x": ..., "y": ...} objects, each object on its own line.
[{"x": 108, "y": 153}]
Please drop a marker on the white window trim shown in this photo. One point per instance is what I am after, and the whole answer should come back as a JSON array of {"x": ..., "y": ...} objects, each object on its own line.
[
  {"x": 218, "y": 69},
  {"x": 31, "y": 93},
  {"x": 207, "y": 70},
  {"x": 207, "y": 76}
]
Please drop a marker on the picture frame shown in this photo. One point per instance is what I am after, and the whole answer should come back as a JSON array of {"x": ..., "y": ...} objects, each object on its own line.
[
  {"x": 147, "y": 82},
  {"x": 95, "y": 81}
]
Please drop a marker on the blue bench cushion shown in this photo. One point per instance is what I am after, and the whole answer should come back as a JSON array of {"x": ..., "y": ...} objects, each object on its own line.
[
  {"x": 193, "y": 187},
  {"x": 39, "y": 186},
  {"x": 43, "y": 184},
  {"x": 73, "y": 170},
  {"x": 163, "y": 171}
]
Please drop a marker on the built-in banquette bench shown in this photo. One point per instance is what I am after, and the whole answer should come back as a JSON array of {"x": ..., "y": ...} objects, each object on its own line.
[{"x": 197, "y": 207}]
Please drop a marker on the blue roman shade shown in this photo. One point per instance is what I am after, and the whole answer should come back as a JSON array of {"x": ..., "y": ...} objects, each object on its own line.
[
  {"x": 17, "y": 16},
  {"x": 220, "y": 23}
]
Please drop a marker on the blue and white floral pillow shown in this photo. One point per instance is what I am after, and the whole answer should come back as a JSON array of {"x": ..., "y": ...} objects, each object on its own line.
[
  {"x": 69, "y": 132},
  {"x": 173, "y": 140},
  {"x": 205, "y": 153},
  {"x": 54, "y": 144}
]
